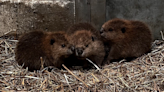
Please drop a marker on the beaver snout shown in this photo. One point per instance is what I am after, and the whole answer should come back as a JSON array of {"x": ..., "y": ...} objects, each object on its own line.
[
  {"x": 101, "y": 30},
  {"x": 79, "y": 51}
]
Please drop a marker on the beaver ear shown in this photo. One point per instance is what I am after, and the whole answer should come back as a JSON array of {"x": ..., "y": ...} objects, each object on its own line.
[
  {"x": 52, "y": 41},
  {"x": 93, "y": 39},
  {"x": 123, "y": 30}
]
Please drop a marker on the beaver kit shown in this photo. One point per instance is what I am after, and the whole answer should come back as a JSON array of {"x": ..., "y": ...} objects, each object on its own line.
[
  {"x": 87, "y": 44},
  {"x": 51, "y": 46},
  {"x": 126, "y": 39}
]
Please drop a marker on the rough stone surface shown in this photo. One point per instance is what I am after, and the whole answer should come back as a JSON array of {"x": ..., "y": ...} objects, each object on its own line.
[{"x": 23, "y": 17}]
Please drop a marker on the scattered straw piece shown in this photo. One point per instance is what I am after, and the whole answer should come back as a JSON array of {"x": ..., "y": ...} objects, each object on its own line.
[
  {"x": 11, "y": 58},
  {"x": 23, "y": 81},
  {"x": 75, "y": 75},
  {"x": 122, "y": 60},
  {"x": 43, "y": 83},
  {"x": 62, "y": 88},
  {"x": 42, "y": 63},
  {"x": 6, "y": 51},
  {"x": 8, "y": 32},
  {"x": 4, "y": 82},
  {"x": 13, "y": 40},
  {"x": 8, "y": 46},
  {"x": 124, "y": 82},
  {"x": 32, "y": 77},
  {"x": 162, "y": 35},
  {"x": 97, "y": 80},
  {"x": 67, "y": 80},
  {"x": 93, "y": 64}
]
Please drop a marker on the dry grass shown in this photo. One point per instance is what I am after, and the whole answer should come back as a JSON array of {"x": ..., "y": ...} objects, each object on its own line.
[{"x": 143, "y": 74}]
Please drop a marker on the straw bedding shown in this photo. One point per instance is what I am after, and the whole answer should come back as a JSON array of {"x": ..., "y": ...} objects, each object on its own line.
[{"x": 144, "y": 74}]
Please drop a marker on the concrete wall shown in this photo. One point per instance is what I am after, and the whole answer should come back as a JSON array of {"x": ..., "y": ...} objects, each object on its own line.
[
  {"x": 51, "y": 15},
  {"x": 29, "y": 15}
]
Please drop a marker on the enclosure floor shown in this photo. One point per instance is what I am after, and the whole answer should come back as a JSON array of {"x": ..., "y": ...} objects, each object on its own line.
[{"x": 143, "y": 74}]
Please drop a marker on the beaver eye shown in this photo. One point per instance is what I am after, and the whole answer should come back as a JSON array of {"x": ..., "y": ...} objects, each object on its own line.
[
  {"x": 63, "y": 45},
  {"x": 110, "y": 29},
  {"x": 86, "y": 46}
]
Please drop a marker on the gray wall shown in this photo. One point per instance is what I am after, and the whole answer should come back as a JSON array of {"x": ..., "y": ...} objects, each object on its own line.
[
  {"x": 148, "y": 11},
  {"x": 93, "y": 11},
  {"x": 99, "y": 11},
  {"x": 22, "y": 18}
]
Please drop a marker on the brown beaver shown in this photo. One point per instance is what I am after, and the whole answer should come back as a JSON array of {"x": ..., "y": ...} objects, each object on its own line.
[
  {"x": 126, "y": 39},
  {"x": 87, "y": 44},
  {"x": 52, "y": 47}
]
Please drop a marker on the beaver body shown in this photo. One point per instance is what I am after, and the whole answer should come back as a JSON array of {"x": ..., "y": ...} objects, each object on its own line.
[
  {"x": 126, "y": 39},
  {"x": 52, "y": 47},
  {"x": 87, "y": 44}
]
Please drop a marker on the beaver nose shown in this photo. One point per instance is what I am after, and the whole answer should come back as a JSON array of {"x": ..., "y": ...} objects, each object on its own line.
[
  {"x": 101, "y": 30},
  {"x": 79, "y": 51}
]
